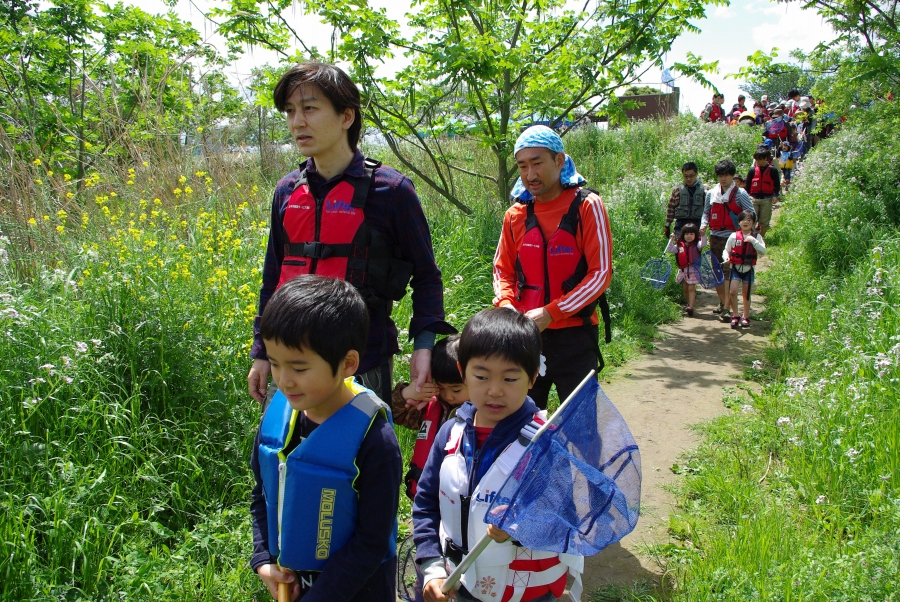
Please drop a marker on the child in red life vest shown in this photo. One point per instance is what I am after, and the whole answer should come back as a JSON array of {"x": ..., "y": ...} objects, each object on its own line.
[
  {"x": 426, "y": 410},
  {"x": 687, "y": 252},
  {"x": 499, "y": 357},
  {"x": 741, "y": 251}
]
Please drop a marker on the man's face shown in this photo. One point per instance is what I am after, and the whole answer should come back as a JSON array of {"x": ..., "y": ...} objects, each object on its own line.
[
  {"x": 689, "y": 177},
  {"x": 317, "y": 129},
  {"x": 725, "y": 180},
  {"x": 539, "y": 169},
  {"x": 719, "y": 99}
]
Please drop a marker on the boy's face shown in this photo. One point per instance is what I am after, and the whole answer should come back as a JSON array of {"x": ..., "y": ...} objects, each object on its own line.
[
  {"x": 497, "y": 388},
  {"x": 308, "y": 381},
  {"x": 725, "y": 180},
  {"x": 454, "y": 394},
  {"x": 317, "y": 129}
]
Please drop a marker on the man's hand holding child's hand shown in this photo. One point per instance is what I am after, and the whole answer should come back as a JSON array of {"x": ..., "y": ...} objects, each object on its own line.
[
  {"x": 272, "y": 575},
  {"x": 419, "y": 399}
]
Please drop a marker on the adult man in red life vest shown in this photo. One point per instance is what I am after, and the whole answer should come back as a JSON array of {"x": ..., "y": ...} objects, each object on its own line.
[
  {"x": 554, "y": 260},
  {"x": 724, "y": 203},
  {"x": 352, "y": 218}
]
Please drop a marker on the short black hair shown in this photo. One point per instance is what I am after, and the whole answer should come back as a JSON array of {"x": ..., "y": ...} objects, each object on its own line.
[
  {"x": 336, "y": 85},
  {"x": 745, "y": 214},
  {"x": 504, "y": 333},
  {"x": 325, "y": 315},
  {"x": 444, "y": 358},
  {"x": 762, "y": 152},
  {"x": 689, "y": 166},
  {"x": 725, "y": 168},
  {"x": 793, "y": 93}
]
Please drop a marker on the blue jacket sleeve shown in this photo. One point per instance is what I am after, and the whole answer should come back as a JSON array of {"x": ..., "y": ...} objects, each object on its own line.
[{"x": 426, "y": 512}]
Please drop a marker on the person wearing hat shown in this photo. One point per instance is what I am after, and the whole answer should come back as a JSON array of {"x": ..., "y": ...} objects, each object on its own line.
[{"x": 554, "y": 261}]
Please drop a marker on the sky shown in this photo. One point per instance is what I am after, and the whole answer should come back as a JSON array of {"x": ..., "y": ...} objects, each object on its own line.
[{"x": 728, "y": 34}]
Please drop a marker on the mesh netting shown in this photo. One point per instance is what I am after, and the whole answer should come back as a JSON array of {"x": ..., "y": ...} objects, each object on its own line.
[
  {"x": 710, "y": 270},
  {"x": 577, "y": 488},
  {"x": 656, "y": 272},
  {"x": 408, "y": 589}
]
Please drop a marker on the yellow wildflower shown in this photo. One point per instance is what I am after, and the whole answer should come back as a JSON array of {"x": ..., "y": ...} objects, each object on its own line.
[
  {"x": 69, "y": 195},
  {"x": 60, "y": 229},
  {"x": 50, "y": 173},
  {"x": 188, "y": 190},
  {"x": 113, "y": 194},
  {"x": 130, "y": 182},
  {"x": 182, "y": 179},
  {"x": 38, "y": 181},
  {"x": 67, "y": 177},
  {"x": 36, "y": 162},
  {"x": 200, "y": 174},
  {"x": 177, "y": 192},
  {"x": 32, "y": 221},
  {"x": 62, "y": 215},
  {"x": 157, "y": 201}
]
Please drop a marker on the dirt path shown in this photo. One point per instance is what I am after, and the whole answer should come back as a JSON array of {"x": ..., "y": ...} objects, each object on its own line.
[{"x": 661, "y": 395}]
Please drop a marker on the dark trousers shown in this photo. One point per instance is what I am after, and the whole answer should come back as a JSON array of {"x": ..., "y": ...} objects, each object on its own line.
[{"x": 570, "y": 354}]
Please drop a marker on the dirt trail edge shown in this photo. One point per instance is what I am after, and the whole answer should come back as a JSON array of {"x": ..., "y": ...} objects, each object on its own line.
[{"x": 660, "y": 396}]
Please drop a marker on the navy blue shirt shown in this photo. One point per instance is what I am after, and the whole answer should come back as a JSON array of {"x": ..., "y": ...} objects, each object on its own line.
[
  {"x": 393, "y": 209},
  {"x": 358, "y": 572}
]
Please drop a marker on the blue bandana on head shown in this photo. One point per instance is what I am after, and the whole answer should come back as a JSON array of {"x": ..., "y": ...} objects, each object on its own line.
[{"x": 540, "y": 136}]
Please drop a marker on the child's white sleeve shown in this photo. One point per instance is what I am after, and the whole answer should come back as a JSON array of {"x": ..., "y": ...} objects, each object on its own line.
[
  {"x": 672, "y": 247},
  {"x": 702, "y": 244},
  {"x": 759, "y": 244},
  {"x": 433, "y": 568},
  {"x": 729, "y": 245}
]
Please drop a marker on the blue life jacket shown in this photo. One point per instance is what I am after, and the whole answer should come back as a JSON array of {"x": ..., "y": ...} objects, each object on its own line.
[{"x": 316, "y": 481}]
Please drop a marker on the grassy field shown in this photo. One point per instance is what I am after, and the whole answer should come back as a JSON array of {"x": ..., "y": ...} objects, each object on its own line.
[{"x": 126, "y": 301}]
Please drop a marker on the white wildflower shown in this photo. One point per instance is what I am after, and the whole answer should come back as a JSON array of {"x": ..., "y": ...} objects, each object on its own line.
[
  {"x": 783, "y": 421},
  {"x": 821, "y": 298},
  {"x": 800, "y": 336},
  {"x": 821, "y": 499},
  {"x": 81, "y": 347},
  {"x": 852, "y": 453},
  {"x": 757, "y": 365},
  {"x": 458, "y": 278}
]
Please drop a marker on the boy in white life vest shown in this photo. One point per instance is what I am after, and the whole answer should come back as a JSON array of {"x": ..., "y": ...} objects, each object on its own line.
[
  {"x": 499, "y": 358},
  {"x": 326, "y": 460},
  {"x": 741, "y": 251},
  {"x": 426, "y": 410}
]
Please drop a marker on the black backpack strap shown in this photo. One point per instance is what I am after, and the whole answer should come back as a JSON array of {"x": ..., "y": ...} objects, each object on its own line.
[
  {"x": 603, "y": 302},
  {"x": 361, "y": 185}
]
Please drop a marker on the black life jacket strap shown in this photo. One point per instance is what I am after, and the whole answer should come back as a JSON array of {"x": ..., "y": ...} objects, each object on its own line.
[{"x": 603, "y": 302}]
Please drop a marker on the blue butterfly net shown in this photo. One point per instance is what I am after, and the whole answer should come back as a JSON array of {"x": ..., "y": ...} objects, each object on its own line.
[
  {"x": 577, "y": 488},
  {"x": 656, "y": 272},
  {"x": 711, "y": 274}
]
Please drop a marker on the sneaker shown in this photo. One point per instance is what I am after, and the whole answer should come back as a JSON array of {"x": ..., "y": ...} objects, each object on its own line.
[
  {"x": 689, "y": 311},
  {"x": 735, "y": 322},
  {"x": 720, "y": 309},
  {"x": 745, "y": 323},
  {"x": 726, "y": 317}
]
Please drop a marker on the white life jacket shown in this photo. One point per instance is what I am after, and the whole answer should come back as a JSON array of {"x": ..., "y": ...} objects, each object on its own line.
[{"x": 504, "y": 571}]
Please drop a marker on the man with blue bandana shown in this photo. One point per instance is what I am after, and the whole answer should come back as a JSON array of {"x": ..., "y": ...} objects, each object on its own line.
[{"x": 554, "y": 260}]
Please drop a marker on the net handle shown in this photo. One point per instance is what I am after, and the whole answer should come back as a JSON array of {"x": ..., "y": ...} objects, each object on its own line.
[{"x": 483, "y": 543}]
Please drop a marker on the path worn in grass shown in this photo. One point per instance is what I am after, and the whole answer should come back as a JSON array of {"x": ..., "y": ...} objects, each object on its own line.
[{"x": 661, "y": 395}]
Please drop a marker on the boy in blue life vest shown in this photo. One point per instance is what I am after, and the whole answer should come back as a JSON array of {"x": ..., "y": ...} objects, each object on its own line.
[
  {"x": 326, "y": 460},
  {"x": 426, "y": 410},
  {"x": 499, "y": 358}
]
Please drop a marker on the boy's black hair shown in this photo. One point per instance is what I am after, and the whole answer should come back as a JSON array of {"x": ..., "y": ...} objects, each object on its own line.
[
  {"x": 793, "y": 93},
  {"x": 689, "y": 166},
  {"x": 746, "y": 213},
  {"x": 503, "y": 333},
  {"x": 762, "y": 152},
  {"x": 325, "y": 315},
  {"x": 725, "y": 167},
  {"x": 689, "y": 228},
  {"x": 444, "y": 357},
  {"x": 336, "y": 85}
]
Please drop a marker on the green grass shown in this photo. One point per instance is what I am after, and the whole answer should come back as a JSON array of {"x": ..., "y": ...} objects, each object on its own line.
[{"x": 126, "y": 304}]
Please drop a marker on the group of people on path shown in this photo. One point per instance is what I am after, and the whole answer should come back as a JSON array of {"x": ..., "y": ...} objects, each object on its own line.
[
  {"x": 347, "y": 236},
  {"x": 729, "y": 219}
]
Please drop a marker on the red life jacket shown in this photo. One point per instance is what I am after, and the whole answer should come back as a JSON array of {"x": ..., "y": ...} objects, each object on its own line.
[
  {"x": 331, "y": 237},
  {"x": 546, "y": 270},
  {"x": 724, "y": 216},
  {"x": 777, "y": 129},
  {"x": 688, "y": 254},
  {"x": 715, "y": 112},
  {"x": 762, "y": 181},
  {"x": 435, "y": 415},
  {"x": 742, "y": 253}
]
